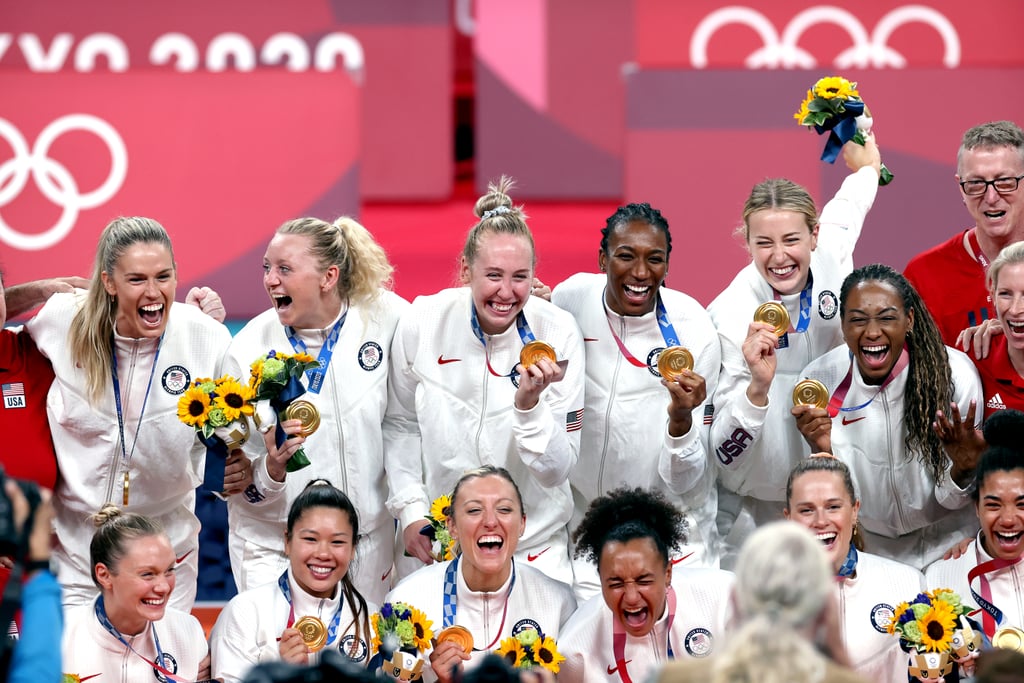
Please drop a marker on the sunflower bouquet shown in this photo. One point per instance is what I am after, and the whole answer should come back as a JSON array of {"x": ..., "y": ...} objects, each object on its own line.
[
  {"x": 75, "y": 678},
  {"x": 442, "y": 545},
  {"x": 834, "y": 106},
  {"x": 218, "y": 410},
  {"x": 930, "y": 627},
  {"x": 275, "y": 380},
  {"x": 401, "y": 634},
  {"x": 530, "y": 648}
]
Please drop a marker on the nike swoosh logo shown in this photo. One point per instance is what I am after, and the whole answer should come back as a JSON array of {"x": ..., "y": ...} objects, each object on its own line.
[
  {"x": 385, "y": 575},
  {"x": 441, "y": 360},
  {"x": 531, "y": 557},
  {"x": 179, "y": 560},
  {"x": 680, "y": 559},
  {"x": 613, "y": 669},
  {"x": 589, "y": 339},
  {"x": 856, "y": 419}
]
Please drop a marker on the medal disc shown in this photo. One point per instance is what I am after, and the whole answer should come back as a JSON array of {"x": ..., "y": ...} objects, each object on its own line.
[
  {"x": 306, "y": 413},
  {"x": 673, "y": 361},
  {"x": 775, "y": 314},
  {"x": 810, "y": 392},
  {"x": 460, "y": 635},
  {"x": 534, "y": 351},
  {"x": 1009, "y": 638},
  {"x": 314, "y": 633}
]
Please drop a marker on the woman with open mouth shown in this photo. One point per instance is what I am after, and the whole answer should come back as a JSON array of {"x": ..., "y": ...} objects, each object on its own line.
[
  {"x": 990, "y": 573},
  {"x": 893, "y": 416},
  {"x": 820, "y": 496},
  {"x": 649, "y": 611},
  {"x": 463, "y": 393},
  {"x": 798, "y": 261},
  {"x": 485, "y": 589},
  {"x": 314, "y": 593},
  {"x": 643, "y": 429},
  {"x": 129, "y": 632},
  {"x": 329, "y": 289}
]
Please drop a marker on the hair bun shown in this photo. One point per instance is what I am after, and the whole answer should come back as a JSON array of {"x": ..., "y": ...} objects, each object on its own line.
[
  {"x": 497, "y": 200},
  {"x": 106, "y": 513}
]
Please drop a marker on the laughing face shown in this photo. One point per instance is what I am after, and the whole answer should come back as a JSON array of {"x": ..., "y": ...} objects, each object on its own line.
[
  {"x": 143, "y": 283},
  {"x": 1000, "y": 217},
  {"x": 500, "y": 278},
  {"x": 821, "y": 503},
  {"x": 780, "y": 245},
  {"x": 634, "y": 582},
  {"x": 1001, "y": 513},
  {"x": 135, "y": 591},
  {"x": 636, "y": 263},
  {"x": 304, "y": 294},
  {"x": 875, "y": 327},
  {"x": 320, "y": 550},
  {"x": 1008, "y": 295},
  {"x": 487, "y": 521}
]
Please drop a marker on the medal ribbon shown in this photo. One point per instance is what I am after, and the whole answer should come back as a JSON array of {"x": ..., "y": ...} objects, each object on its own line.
[
  {"x": 668, "y": 332},
  {"x": 978, "y": 254},
  {"x": 451, "y": 600},
  {"x": 835, "y": 404},
  {"x": 993, "y": 616},
  {"x": 332, "y": 630},
  {"x": 619, "y": 637},
  {"x": 101, "y": 616},
  {"x": 525, "y": 333},
  {"x": 805, "y": 306},
  {"x": 125, "y": 454},
  {"x": 316, "y": 375},
  {"x": 849, "y": 564}
]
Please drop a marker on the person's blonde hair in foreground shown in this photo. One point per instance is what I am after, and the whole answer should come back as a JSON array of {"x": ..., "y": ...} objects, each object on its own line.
[{"x": 786, "y": 622}]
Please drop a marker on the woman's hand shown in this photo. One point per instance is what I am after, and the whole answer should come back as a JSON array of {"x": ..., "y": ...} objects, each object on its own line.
[
  {"x": 962, "y": 442},
  {"x": 759, "y": 353},
  {"x": 416, "y": 544},
  {"x": 207, "y": 301},
  {"x": 534, "y": 380},
  {"x": 446, "y": 659},
  {"x": 815, "y": 425},
  {"x": 958, "y": 549},
  {"x": 292, "y": 648},
  {"x": 205, "y": 671},
  {"x": 980, "y": 337},
  {"x": 858, "y": 156},
  {"x": 277, "y": 458},
  {"x": 540, "y": 290},
  {"x": 237, "y": 473},
  {"x": 685, "y": 393}
]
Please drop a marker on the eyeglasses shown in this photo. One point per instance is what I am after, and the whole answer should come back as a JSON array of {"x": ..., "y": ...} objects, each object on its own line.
[{"x": 1002, "y": 185}]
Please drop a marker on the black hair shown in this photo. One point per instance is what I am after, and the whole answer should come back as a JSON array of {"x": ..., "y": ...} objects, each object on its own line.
[
  {"x": 625, "y": 514},
  {"x": 1002, "y": 432},
  {"x": 641, "y": 212}
]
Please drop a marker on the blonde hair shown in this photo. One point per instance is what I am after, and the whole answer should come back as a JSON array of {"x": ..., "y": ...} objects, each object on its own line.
[
  {"x": 92, "y": 328},
  {"x": 497, "y": 214},
  {"x": 782, "y": 194},
  {"x": 1009, "y": 256},
  {"x": 363, "y": 266}
]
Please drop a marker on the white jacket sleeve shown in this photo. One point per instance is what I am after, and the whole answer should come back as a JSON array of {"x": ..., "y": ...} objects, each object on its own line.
[
  {"x": 843, "y": 217},
  {"x": 234, "y": 643}
]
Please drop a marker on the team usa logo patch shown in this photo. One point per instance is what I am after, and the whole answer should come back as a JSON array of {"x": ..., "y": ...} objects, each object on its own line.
[
  {"x": 524, "y": 624},
  {"x": 352, "y": 648},
  {"x": 828, "y": 304},
  {"x": 698, "y": 642},
  {"x": 370, "y": 356},
  {"x": 652, "y": 360},
  {"x": 881, "y": 617},
  {"x": 14, "y": 395},
  {"x": 175, "y": 380},
  {"x": 168, "y": 662}
]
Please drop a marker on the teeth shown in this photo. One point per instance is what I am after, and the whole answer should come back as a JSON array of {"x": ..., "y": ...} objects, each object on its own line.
[
  {"x": 1015, "y": 325},
  {"x": 489, "y": 539},
  {"x": 152, "y": 308},
  {"x": 320, "y": 572},
  {"x": 783, "y": 271},
  {"x": 874, "y": 349},
  {"x": 638, "y": 290},
  {"x": 501, "y": 308},
  {"x": 1008, "y": 537},
  {"x": 154, "y": 602},
  {"x": 827, "y": 537}
]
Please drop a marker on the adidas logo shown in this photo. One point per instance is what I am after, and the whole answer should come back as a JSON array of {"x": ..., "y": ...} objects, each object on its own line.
[{"x": 996, "y": 403}]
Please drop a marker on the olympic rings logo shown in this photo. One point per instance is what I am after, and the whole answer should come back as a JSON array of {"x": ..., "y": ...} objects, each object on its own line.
[
  {"x": 54, "y": 180},
  {"x": 784, "y": 52}
]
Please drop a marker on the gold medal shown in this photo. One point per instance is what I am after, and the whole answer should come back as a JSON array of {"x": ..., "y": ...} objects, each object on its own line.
[
  {"x": 810, "y": 392},
  {"x": 306, "y": 413},
  {"x": 672, "y": 361},
  {"x": 126, "y": 487},
  {"x": 1009, "y": 638},
  {"x": 314, "y": 633},
  {"x": 460, "y": 635},
  {"x": 534, "y": 351},
  {"x": 775, "y": 314}
]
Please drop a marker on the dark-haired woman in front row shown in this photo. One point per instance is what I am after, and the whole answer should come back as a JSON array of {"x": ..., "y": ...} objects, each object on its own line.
[
  {"x": 647, "y": 613},
  {"x": 259, "y": 625}
]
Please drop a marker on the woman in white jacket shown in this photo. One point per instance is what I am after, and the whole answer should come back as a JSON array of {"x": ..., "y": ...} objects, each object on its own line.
[
  {"x": 460, "y": 397},
  {"x": 887, "y": 386}
]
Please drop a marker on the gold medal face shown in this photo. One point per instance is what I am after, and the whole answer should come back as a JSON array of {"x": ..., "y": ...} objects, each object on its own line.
[
  {"x": 306, "y": 413},
  {"x": 460, "y": 635},
  {"x": 1009, "y": 638},
  {"x": 775, "y": 314},
  {"x": 810, "y": 392},
  {"x": 534, "y": 351},
  {"x": 673, "y": 361},
  {"x": 314, "y": 633}
]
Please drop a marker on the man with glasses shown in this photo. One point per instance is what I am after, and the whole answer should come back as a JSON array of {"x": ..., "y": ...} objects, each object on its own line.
[{"x": 951, "y": 277}]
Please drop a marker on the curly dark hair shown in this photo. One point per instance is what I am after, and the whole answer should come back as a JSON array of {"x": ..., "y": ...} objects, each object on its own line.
[
  {"x": 641, "y": 212},
  {"x": 1004, "y": 453},
  {"x": 624, "y": 514}
]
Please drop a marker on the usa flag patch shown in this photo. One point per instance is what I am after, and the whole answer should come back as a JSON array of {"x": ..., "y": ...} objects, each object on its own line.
[
  {"x": 709, "y": 413},
  {"x": 14, "y": 394},
  {"x": 574, "y": 420}
]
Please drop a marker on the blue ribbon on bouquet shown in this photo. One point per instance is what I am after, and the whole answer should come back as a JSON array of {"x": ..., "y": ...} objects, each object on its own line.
[
  {"x": 216, "y": 458},
  {"x": 840, "y": 129},
  {"x": 291, "y": 391}
]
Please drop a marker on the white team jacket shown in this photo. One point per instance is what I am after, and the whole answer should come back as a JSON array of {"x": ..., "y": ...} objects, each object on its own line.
[
  {"x": 249, "y": 626},
  {"x": 1007, "y": 584},
  {"x": 908, "y": 515},
  {"x": 167, "y": 464},
  {"x": 447, "y": 414}
]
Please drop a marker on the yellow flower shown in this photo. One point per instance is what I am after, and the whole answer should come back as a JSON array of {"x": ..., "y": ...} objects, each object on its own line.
[
  {"x": 450, "y": 551},
  {"x": 233, "y": 398},
  {"x": 835, "y": 86},
  {"x": 900, "y": 609},
  {"x": 804, "y": 111},
  {"x": 511, "y": 650},
  {"x": 193, "y": 407},
  {"x": 441, "y": 508},
  {"x": 375, "y": 641},
  {"x": 304, "y": 358},
  {"x": 421, "y": 628},
  {"x": 937, "y": 628},
  {"x": 547, "y": 655}
]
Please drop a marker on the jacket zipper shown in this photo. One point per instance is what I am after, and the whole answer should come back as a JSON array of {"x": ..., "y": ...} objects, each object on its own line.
[
  {"x": 612, "y": 389},
  {"x": 116, "y": 456}
]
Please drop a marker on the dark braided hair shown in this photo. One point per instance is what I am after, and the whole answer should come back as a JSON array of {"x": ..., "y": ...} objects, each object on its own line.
[
  {"x": 929, "y": 377},
  {"x": 642, "y": 213},
  {"x": 624, "y": 514}
]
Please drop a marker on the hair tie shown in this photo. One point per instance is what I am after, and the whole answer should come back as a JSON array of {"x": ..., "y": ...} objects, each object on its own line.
[{"x": 496, "y": 212}]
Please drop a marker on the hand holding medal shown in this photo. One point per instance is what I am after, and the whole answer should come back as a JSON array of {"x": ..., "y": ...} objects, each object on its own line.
[
  {"x": 810, "y": 408},
  {"x": 764, "y": 335},
  {"x": 538, "y": 367}
]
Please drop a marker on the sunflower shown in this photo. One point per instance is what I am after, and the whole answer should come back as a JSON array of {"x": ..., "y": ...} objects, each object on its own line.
[
  {"x": 255, "y": 374},
  {"x": 375, "y": 624},
  {"x": 511, "y": 650},
  {"x": 304, "y": 358},
  {"x": 194, "y": 407},
  {"x": 234, "y": 399},
  {"x": 835, "y": 86},
  {"x": 937, "y": 628},
  {"x": 547, "y": 655},
  {"x": 421, "y": 629},
  {"x": 804, "y": 111},
  {"x": 441, "y": 508},
  {"x": 898, "y": 617}
]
